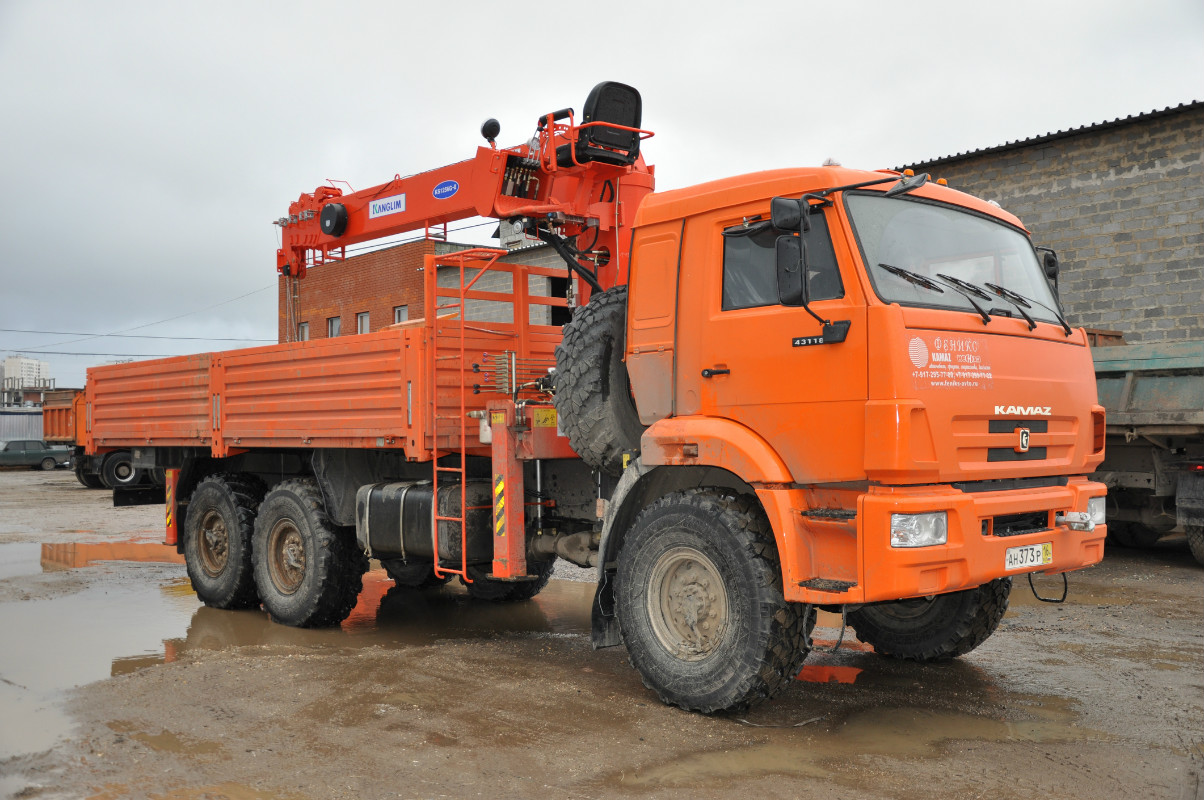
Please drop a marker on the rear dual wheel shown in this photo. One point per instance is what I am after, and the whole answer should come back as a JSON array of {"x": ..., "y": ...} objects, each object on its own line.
[
  {"x": 308, "y": 570},
  {"x": 119, "y": 472},
  {"x": 491, "y": 590},
  {"x": 217, "y": 540},
  {"x": 1195, "y": 540},
  {"x": 88, "y": 479}
]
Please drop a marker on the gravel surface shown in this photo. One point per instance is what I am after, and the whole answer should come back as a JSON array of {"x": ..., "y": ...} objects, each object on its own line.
[{"x": 115, "y": 682}]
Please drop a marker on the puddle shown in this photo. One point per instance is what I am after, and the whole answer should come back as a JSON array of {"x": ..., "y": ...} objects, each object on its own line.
[
  {"x": 224, "y": 791},
  {"x": 55, "y": 644},
  {"x": 132, "y": 617},
  {"x": 76, "y": 554},
  {"x": 18, "y": 559},
  {"x": 902, "y": 733},
  {"x": 388, "y": 616}
]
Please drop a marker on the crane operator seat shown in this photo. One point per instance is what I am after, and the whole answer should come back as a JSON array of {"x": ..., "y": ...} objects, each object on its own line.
[{"x": 616, "y": 104}]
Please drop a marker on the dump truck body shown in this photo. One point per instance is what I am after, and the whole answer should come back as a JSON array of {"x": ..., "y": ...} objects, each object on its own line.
[{"x": 1154, "y": 470}]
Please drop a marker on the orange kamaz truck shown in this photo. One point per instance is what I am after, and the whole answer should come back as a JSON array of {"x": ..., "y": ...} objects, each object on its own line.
[{"x": 811, "y": 388}]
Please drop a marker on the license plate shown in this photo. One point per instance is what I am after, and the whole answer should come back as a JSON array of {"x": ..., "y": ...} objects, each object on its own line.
[{"x": 1029, "y": 555}]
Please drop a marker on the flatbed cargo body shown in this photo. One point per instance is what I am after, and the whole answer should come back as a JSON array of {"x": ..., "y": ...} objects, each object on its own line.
[{"x": 366, "y": 391}]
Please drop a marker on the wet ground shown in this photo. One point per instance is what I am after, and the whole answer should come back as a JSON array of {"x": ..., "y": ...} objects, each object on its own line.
[{"x": 115, "y": 682}]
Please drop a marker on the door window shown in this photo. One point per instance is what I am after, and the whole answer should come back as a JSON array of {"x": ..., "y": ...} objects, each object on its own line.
[{"x": 750, "y": 276}]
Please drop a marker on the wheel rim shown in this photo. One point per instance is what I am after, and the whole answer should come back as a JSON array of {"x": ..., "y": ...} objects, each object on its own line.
[
  {"x": 687, "y": 604},
  {"x": 214, "y": 544},
  {"x": 286, "y": 556},
  {"x": 124, "y": 470}
]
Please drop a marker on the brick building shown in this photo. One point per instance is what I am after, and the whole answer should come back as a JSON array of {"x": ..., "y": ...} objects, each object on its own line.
[
  {"x": 371, "y": 291},
  {"x": 1122, "y": 202}
]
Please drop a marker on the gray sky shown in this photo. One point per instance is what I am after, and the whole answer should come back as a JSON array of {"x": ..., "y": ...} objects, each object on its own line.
[{"x": 147, "y": 146}]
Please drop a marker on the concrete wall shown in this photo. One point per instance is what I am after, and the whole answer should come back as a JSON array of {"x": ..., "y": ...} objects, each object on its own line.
[{"x": 1123, "y": 204}]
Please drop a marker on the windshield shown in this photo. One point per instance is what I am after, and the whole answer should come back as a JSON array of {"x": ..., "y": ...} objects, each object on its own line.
[{"x": 940, "y": 243}]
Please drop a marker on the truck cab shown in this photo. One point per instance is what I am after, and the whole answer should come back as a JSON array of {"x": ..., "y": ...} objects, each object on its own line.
[{"x": 919, "y": 421}]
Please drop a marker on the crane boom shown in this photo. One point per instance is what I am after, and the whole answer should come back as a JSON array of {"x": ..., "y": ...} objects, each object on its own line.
[{"x": 575, "y": 186}]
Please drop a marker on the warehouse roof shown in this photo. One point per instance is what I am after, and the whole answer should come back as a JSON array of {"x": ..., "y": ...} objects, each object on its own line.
[{"x": 1048, "y": 137}]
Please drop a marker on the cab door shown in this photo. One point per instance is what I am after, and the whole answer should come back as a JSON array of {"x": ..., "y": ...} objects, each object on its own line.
[{"x": 766, "y": 365}]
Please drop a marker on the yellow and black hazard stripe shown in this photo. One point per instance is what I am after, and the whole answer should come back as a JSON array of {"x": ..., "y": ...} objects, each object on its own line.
[{"x": 499, "y": 506}]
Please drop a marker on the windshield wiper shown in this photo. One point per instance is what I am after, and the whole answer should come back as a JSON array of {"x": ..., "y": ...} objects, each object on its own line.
[
  {"x": 1021, "y": 302},
  {"x": 913, "y": 277},
  {"x": 968, "y": 291}
]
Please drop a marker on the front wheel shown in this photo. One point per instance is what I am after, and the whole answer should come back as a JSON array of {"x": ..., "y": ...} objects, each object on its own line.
[
  {"x": 309, "y": 571},
  {"x": 933, "y": 628},
  {"x": 48, "y": 464},
  {"x": 700, "y": 604}
]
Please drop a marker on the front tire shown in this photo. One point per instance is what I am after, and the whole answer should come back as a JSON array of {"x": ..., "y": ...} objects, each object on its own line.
[
  {"x": 700, "y": 604},
  {"x": 217, "y": 540},
  {"x": 309, "y": 571},
  {"x": 936, "y": 628},
  {"x": 47, "y": 464}
]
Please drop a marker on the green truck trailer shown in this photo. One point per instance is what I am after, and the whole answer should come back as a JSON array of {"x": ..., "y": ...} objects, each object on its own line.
[{"x": 1154, "y": 463}]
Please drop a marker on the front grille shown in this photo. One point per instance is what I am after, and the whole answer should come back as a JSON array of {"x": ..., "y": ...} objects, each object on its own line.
[
  {"x": 1011, "y": 484},
  {"x": 1010, "y": 454},
  {"x": 1016, "y": 524},
  {"x": 1009, "y": 425}
]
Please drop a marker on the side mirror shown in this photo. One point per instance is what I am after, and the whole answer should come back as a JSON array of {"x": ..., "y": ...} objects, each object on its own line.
[
  {"x": 786, "y": 214},
  {"x": 791, "y": 257},
  {"x": 1050, "y": 261},
  {"x": 907, "y": 184}
]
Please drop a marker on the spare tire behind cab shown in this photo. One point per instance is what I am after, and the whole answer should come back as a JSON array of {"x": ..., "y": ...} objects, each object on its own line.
[{"x": 593, "y": 394}]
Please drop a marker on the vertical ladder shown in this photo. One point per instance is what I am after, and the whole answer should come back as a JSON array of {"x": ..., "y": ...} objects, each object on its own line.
[
  {"x": 439, "y": 421},
  {"x": 455, "y": 472}
]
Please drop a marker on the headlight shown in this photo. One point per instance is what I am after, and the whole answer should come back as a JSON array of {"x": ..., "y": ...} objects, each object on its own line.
[
  {"x": 1096, "y": 510},
  {"x": 919, "y": 530}
]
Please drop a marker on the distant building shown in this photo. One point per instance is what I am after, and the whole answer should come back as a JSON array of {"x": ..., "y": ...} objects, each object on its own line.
[
  {"x": 24, "y": 381},
  {"x": 368, "y": 292}
]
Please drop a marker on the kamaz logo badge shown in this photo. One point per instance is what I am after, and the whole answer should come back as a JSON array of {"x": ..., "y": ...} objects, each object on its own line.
[
  {"x": 1025, "y": 436},
  {"x": 1023, "y": 411}
]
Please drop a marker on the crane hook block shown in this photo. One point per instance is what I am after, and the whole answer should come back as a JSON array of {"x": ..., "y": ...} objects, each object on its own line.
[{"x": 333, "y": 219}]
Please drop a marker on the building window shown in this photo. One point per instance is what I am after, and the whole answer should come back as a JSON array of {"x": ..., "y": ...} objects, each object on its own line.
[
  {"x": 333, "y": 325},
  {"x": 302, "y": 331},
  {"x": 361, "y": 322},
  {"x": 400, "y": 314}
]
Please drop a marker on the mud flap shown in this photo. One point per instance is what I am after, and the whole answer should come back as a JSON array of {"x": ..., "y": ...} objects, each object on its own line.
[
  {"x": 604, "y": 625},
  {"x": 140, "y": 496}
]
